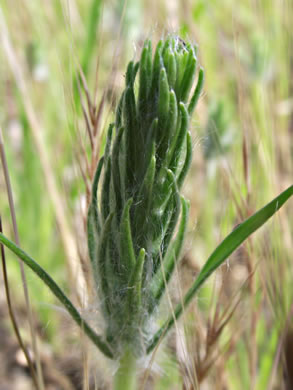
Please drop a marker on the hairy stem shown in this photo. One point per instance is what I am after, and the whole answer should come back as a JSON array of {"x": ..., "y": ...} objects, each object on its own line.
[{"x": 125, "y": 377}]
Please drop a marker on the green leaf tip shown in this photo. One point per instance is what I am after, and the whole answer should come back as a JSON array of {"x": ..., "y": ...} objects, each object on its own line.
[{"x": 220, "y": 254}]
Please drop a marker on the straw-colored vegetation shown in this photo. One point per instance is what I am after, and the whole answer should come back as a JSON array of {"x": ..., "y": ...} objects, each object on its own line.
[{"x": 63, "y": 69}]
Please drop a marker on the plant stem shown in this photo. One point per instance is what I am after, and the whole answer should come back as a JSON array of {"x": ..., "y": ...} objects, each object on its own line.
[
  {"x": 125, "y": 377},
  {"x": 59, "y": 294}
]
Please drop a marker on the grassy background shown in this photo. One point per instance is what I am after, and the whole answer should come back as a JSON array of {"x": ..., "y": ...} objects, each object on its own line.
[{"x": 243, "y": 148}]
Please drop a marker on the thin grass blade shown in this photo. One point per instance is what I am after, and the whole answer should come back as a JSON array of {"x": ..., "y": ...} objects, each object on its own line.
[
  {"x": 221, "y": 253},
  {"x": 59, "y": 294}
]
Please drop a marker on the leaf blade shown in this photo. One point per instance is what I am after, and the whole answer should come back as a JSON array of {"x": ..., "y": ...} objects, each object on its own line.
[
  {"x": 59, "y": 294},
  {"x": 220, "y": 254}
]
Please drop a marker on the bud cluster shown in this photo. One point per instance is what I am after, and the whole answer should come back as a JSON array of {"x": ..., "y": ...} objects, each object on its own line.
[{"x": 136, "y": 207}]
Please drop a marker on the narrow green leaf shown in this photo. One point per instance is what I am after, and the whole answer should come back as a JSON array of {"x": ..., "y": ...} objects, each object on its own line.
[
  {"x": 119, "y": 112},
  {"x": 163, "y": 192},
  {"x": 93, "y": 218},
  {"x": 150, "y": 141},
  {"x": 188, "y": 77},
  {"x": 171, "y": 68},
  {"x": 173, "y": 154},
  {"x": 135, "y": 70},
  {"x": 101, "y": 269},
  {"x": 166, "y": 239},
  {"x": 221, "y": 253},
  {"x": 135, "y": 284},
  {"x": 109, "y": 141},
  {"x": 170, "y": 128},
  {"x": 181, "y": 61},
  {"x": 131, "y": 135},
  {"x": 145, "y": 78},
  {"x": 129, "y": 73},
  {"x": 197, "y": 92},
  {"x": 167, "y": 44},
  {"x": 157, "y": 65},
  {"x": 92, "y": 236},
  {"x": 144, "y": 199},
  {"x": 187, "y": 162},
  {"x": 172, "y": 256},
  {"x": 126, "y": 242},
  {"x": 105, "y": 201},
  {"x": 160, "y": 221},
  {"x": 59, "y": 294},
  {"x": 94, "y": 201},
  {"x": 176, "y": 147},
  {"x": 117, "y": 182},
  {"x": 163, "y": 104},
  {"x": 173, "y": 116}
]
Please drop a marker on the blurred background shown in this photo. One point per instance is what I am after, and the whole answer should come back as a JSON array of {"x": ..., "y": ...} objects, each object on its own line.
[{"x": 62, "y": 63}]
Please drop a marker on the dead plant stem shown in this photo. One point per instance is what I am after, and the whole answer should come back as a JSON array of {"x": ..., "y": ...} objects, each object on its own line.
[
  {"x": 23, "y": 277},
  {"x": 13, "y": 317}
]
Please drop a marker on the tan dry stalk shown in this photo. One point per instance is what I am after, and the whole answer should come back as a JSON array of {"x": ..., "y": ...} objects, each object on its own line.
[
  {"x": 73, "y": 264},
  {"x": 40, "y": 382},
  {"x": 12, "y": 314}
]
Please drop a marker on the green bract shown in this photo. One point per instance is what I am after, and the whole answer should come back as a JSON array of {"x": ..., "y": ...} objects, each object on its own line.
[{"x": 136, "y": 205}]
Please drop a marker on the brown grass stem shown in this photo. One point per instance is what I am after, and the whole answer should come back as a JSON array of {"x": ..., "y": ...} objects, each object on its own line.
[
  {"x": 23, "y": 277},
  {"x": 13, "y": 317}
]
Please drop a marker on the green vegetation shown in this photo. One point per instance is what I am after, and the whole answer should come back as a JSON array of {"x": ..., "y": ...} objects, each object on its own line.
[{"x": 242, "y": 145}]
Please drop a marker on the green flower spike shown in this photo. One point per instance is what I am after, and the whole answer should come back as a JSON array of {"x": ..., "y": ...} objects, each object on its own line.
[{"x": 147, "y": 155}]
